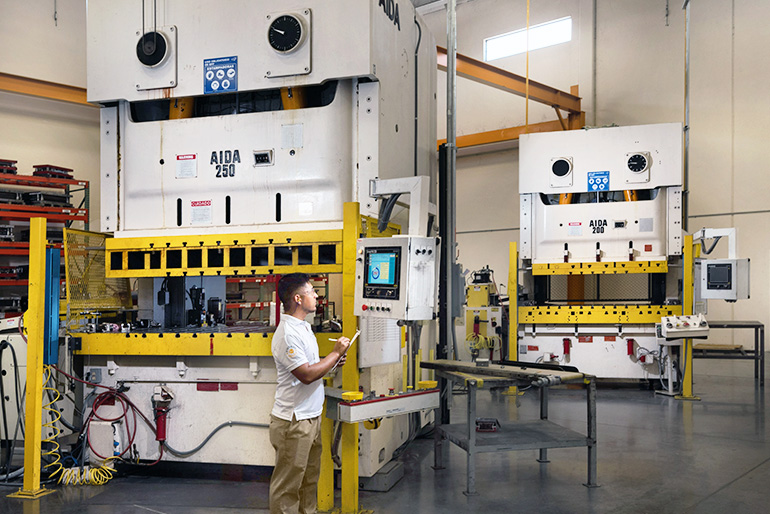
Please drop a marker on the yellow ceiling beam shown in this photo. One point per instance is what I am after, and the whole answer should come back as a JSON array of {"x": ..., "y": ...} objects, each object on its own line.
[
  {"x": 505, "y": 134},
  {"x": 43, "y": 89},
  {"x": 493, "y": 76}
]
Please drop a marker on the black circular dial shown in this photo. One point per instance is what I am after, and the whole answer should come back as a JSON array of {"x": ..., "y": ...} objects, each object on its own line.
[
  {"x": 637, "y": 162},
  {"x": 285, "y": 33},
  {"x": 151, "y": 48},
  {"x": 561, "y": 167}
]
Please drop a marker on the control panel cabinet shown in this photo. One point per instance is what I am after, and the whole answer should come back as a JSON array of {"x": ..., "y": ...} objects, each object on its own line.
[
  {"x": 722, "y": 279},
  {"x": 396, "y": 277}
]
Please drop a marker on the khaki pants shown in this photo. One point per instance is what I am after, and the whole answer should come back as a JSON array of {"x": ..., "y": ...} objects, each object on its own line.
[{"x": 294, "y": 483}]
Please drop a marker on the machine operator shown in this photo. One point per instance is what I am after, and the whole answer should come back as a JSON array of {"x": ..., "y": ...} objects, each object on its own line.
[{"x": 295, "y": 422}]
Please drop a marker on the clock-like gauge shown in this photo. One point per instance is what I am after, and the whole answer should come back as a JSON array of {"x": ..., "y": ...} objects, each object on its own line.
[
  {"x": 151, "y": 49},
  {"x": 285, "y": 33},
  {"x": 561, "y": 167},
  {"x": 637, "y": 162}
]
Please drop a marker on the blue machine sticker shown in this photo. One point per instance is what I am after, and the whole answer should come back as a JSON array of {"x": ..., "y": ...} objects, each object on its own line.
[
  {"x": 220, "y": 75},
  {"x": 598, "y": 181}
]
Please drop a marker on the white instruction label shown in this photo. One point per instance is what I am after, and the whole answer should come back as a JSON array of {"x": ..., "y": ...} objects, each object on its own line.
[
  {"x": 575, "y": 229},
  {"x": 200, "y": 212},
  {"x": 291, "y": 136},
  {"x": 187, "y": 165}
]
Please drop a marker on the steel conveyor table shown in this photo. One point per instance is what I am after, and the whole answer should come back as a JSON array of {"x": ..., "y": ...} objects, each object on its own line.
[
  {"x": 706, "y": 351},
  {"x": 540, "y": 434}
]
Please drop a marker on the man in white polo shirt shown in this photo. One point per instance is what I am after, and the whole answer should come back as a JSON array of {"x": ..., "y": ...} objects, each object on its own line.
[{"x": 295, "y": 422}]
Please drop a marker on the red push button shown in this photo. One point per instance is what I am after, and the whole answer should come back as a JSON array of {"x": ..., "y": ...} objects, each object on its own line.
[{"x": 364, "y": 307}]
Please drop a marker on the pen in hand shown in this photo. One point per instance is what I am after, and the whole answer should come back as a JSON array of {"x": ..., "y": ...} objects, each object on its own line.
[{"x": 355, "y": 336}]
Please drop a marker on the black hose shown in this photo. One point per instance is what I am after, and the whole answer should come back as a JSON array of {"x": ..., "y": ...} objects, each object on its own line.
[
  {"x": 711, "y": 248},
  {"x": 416, "y": 94},
  {"x": 220, "y": 427},
  {"x": 19, "y": 417},
  {"x": 6, "y": 435},
  {"x": 386, "y": 209}
]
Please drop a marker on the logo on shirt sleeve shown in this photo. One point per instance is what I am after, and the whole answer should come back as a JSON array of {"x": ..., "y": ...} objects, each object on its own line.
[{"x": 291, "y": 353}]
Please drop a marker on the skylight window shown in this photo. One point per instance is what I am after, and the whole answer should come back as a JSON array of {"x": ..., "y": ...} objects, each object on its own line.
[{"x": 540, "y": 36}]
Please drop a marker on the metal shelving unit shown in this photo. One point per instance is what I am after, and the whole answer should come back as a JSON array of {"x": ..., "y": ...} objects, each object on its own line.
[{"x": 15, "y": 253}]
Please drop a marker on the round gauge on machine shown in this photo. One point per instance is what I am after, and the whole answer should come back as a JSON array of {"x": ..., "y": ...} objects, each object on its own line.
[
  {"x": 637, "y": 162},
  {"x": 285, "y": 33},
  {"x": 151, "y": 49},
  {"x": 561, "y": 166}
]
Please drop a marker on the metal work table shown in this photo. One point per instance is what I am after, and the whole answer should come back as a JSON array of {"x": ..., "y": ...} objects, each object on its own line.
[
  {"x": 758, "y": 353},
  {"x": 539, "y": 434}
]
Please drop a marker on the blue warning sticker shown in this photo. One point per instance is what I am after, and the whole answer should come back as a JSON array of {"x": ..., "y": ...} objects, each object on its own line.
[
  {"x": 598, "y": 181},
  {"x": 220, "y": 75}
]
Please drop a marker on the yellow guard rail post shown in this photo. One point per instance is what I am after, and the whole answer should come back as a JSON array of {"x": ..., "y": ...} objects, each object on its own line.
[
  {"x": 350, "y": 379},
  {"x": 34, "y": 319},
  {"x": 513, "y": 302},
  {"x": 687, "y": 307}
]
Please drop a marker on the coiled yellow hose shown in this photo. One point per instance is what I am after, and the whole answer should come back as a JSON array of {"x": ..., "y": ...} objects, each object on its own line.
[
  {"x": 50, "y": 426},
  {"x": 85, "y": 475}
]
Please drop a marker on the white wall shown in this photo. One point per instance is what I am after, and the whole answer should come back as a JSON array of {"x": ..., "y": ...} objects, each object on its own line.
[
  {"x": 39, "y": 131},
  {"x": 639, "y": 70},
  {"x": 33, "y": 44},
  {"x": 482, "y": 108}
]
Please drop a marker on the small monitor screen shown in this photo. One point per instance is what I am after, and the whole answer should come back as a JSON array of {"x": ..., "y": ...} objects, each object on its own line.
[
  {"x": 382, "y": 269},
  {"x": 719, "y": 276}
]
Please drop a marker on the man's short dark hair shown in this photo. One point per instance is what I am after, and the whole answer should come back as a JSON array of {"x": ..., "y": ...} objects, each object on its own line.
[{"x": 289, "y": 285}]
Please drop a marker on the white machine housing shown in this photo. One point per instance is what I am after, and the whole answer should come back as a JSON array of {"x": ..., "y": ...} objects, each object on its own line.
[
  {"x": 275, "y": 169},
  {"x": 396, "y": 278},
  {"x": 572, "y": 162},
  {"x": 597, "y": 166},
  {"x": 600, "y": 350},
  {"x": 373, "y": 72}
]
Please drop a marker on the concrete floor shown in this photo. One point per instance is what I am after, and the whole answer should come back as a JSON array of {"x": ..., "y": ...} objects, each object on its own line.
[{"x": 656, "y": 455}]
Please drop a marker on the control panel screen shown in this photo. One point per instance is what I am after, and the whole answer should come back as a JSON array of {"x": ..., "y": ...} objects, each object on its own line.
[
  {"x": 719, "y": 276},
  {"x": 383, "y": 269}
]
